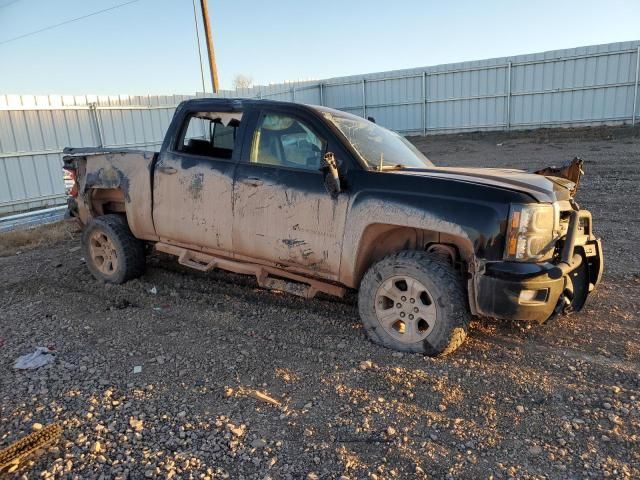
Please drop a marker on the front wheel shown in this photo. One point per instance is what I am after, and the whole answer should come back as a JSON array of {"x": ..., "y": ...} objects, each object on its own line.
[
  {"x": 111, "y": 251},
  {"x": 412, "y": 301}
]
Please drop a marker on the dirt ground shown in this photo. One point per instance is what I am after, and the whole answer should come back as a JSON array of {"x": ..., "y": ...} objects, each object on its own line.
[{"x": 561, "y": 400}]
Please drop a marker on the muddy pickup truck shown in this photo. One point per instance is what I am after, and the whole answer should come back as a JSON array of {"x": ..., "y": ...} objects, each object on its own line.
[{"x": 310, "y": 199}]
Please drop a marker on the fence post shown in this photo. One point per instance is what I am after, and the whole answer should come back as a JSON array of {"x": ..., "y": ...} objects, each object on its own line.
[
  {"x": 424, "y": 103},
  {"x": 635, "y": 88},
  {"x": 508, "y": 122},
  {"x": 321, "y": 94},
  {"x": 93, "y": 114},
  {"x": 364, "y": 99}
]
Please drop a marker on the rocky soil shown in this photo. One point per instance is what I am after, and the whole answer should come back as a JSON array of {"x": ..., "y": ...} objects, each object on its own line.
[{"x": 561, "y": 400}]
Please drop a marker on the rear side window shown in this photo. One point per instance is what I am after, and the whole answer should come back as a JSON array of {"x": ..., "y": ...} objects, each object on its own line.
[
  {"x": 210, "y": 134},
  {"x": 223, "y": 136}
]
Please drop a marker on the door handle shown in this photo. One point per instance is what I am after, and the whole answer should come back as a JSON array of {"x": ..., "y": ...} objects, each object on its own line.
[
  {"x": 167, "y": 170},
  {"x": 252, "y": 181}
]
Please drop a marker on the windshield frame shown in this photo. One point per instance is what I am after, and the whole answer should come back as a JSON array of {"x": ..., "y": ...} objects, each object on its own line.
[{"x": 366, "y": 165}]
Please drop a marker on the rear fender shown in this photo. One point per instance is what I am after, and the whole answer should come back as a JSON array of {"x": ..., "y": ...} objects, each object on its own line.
[{"x": 116, "y": 182}]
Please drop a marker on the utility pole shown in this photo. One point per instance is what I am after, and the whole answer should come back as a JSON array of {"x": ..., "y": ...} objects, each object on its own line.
[{"x": 212, "y": 55}]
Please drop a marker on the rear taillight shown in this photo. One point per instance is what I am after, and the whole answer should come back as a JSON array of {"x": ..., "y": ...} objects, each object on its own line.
[{"x": 73, "y": 191}]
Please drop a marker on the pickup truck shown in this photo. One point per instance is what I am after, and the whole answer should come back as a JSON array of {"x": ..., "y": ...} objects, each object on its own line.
[{"x": 310, "y": 199}]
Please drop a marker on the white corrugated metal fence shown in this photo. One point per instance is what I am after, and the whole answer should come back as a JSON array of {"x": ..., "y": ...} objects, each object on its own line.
[{"x": 35, "y": 129}]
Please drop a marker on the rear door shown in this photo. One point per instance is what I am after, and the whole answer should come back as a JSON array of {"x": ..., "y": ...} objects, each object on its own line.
[
  {"x": 282, "y": 211},
  {"x": 193, "y": 182}
]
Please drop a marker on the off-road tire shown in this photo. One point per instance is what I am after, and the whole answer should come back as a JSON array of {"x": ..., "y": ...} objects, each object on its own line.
[
  {"x": 128, "y": 249},
  {"x": 442, "y": 284}
]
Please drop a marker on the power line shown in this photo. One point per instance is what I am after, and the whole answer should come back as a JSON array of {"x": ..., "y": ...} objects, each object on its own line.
[
  {"x": 195, "y": 20},
  {"x": 66, "y": 22},
  {"x": 10, "y": 2}
]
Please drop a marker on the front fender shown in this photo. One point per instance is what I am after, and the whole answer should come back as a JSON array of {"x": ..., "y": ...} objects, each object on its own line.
[{"x": 474, "y": 227}]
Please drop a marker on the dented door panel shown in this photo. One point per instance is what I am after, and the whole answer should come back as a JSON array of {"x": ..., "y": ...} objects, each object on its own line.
[
  {"x": 192, "y": 200},
  {"x": 286, "y": 216}
]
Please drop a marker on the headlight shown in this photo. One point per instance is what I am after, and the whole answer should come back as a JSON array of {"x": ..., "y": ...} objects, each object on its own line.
[{"x": 530, "y": 232}]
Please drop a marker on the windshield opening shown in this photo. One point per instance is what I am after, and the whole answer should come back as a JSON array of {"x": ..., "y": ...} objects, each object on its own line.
[{"x": 381, "y": 149}]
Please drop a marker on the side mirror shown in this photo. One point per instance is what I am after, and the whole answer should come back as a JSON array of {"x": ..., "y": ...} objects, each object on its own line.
[{"x": 331, "y": 177}]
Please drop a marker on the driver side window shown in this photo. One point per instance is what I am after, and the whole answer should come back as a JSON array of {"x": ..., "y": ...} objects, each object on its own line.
[{"x": 285, "y": 141}]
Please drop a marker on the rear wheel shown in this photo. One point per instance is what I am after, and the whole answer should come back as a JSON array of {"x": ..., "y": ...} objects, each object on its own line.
[
  {"x": 111, "y": 251},
  {"x": 413, "y": 301}
]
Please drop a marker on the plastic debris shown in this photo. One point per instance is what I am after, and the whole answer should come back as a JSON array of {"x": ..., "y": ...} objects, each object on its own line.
[
  {"x": 137, "y": 369},
  {"x": 40, "y": 357},
  {"x": 154, "y": 290}
]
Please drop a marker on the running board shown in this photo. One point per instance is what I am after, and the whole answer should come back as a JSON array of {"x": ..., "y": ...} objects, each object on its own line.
[{"x": 298, "y": 285}]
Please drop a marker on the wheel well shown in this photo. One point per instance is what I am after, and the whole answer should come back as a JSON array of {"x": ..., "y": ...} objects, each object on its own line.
[
  {"x": 106, "y": 200},
  {"x": 380, "y": 240}
]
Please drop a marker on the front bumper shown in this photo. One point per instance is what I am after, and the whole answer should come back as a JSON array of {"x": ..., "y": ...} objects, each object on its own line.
[{"x": 534, "y": 291}]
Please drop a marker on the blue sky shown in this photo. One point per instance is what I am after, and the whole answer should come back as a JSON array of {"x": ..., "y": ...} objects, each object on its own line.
[{"x": 150, "y": 46}]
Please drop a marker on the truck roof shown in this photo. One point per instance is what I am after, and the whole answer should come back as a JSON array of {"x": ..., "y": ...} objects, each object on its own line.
[{"x": 234, "y": 103}]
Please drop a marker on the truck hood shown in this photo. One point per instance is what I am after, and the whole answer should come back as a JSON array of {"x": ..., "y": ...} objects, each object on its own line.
[{"x": 542, "y": 188}]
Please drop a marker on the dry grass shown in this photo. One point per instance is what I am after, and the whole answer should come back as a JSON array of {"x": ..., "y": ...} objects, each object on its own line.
[{"x": 23, "y": 240}]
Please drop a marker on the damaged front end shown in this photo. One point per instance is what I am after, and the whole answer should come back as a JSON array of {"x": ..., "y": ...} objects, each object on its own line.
[
  {"x": 552, "y": 259},
  {"x": 572, "y": 172},
  {"x": 578, "y": 260},
  {"x": 578, "y": 256}
]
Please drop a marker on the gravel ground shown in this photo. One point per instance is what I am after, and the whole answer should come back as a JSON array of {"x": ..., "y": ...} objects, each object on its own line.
[{"x": 561, "y": 400}]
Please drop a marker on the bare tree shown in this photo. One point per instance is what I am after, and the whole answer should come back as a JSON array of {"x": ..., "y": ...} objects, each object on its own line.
[{"x": 242, "y": 81}]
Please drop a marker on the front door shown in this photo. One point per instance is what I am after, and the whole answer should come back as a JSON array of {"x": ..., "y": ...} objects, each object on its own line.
[
  {"x": 282, "y": 211},
  {"x": 193, "y": 183}
]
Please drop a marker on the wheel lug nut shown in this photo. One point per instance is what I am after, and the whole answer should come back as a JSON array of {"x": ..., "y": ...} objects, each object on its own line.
[
  {"x": 404, "y": 299},
  {"x": 415, "y": 309},
  {"x": 410, "y": 317},
  {"x": 413, "y": 300},
  {"x": 401, "y": 314},
  {"x": 398, "y": 305}
]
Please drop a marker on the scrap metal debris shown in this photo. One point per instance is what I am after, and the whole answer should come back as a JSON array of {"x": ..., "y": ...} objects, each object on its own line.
[{"x": 11, "y": 456}]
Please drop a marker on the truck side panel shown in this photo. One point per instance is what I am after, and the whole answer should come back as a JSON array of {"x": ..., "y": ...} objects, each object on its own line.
[{"x": 440, "y": 213}]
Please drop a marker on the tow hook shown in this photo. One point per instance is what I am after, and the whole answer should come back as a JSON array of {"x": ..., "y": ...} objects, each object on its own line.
[
  {"x": 563, "y": 307},
  {"x": 566, "y": 303}
]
